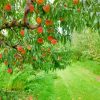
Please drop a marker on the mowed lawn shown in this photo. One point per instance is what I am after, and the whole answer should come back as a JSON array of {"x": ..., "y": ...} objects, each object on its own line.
[{"x": 81, "y": 81}]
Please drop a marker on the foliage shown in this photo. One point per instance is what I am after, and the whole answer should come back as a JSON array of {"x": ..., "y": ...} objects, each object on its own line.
[
  {"x": 86, "y": 45},
  {"x": 55, "y": 21},
  {"x": 42, "y": 35}
]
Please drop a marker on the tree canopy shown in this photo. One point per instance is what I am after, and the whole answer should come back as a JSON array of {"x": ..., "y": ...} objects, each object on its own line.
[{"x": 30, "y": 30}]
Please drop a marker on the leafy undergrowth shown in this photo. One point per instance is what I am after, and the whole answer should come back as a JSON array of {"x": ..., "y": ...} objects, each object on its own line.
[{"x": 23, "y": 84}]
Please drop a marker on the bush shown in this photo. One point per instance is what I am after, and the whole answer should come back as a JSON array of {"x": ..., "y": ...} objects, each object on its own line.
[{"x": 86, "y": 45}]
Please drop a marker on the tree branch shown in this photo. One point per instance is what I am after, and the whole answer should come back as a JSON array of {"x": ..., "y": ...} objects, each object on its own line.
[
  {"x": 15, "y": 23},
  {"x": 26, "y": 12},
  {"x": 24, "y": 23},
  {"x": 27, "y": 9},
  {"x": 11, "y": 24}
]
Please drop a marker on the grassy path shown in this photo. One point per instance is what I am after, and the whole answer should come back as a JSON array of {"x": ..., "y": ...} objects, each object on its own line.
[{"x": 77, "y": 83}]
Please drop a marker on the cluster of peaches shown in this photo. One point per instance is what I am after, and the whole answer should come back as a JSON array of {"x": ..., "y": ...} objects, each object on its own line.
[{"x": 46, "y": 8}]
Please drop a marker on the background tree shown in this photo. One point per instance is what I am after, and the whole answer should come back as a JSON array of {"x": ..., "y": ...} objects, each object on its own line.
[{"x": 31, "y": 29}]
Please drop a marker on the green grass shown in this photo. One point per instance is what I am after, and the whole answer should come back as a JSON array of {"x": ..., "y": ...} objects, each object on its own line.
[
  {"x": 91, "y": 65},
  {"x": 80, "y": 81}
]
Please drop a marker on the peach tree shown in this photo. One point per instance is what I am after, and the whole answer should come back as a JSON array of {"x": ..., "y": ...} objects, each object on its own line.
[{"x": 30, "y": 30}]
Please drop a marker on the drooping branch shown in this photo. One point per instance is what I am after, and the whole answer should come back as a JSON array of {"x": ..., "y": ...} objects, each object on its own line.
[{"x": 23, "y": 23}]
